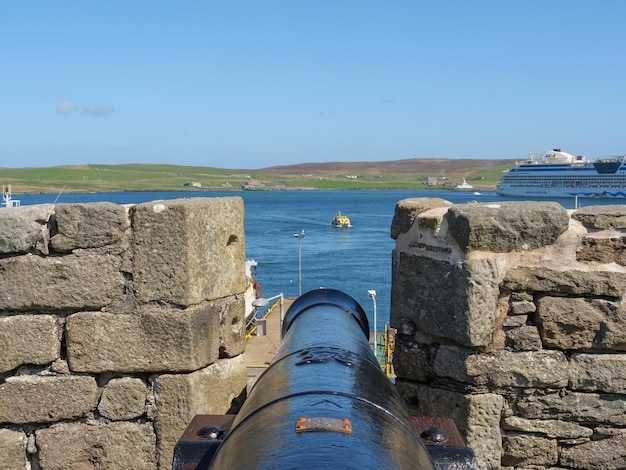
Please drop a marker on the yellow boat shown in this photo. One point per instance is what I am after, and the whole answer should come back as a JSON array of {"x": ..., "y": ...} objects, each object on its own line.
[{"x": 341, "y": 221}]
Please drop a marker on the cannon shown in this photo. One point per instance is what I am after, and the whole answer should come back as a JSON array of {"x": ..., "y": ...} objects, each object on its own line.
[{"x": 323, "y": 403}]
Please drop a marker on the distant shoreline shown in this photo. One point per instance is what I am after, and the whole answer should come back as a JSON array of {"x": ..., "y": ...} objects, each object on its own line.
[
  {"x": 412, "y": 174},
  {"x": 196, "y": 190}
]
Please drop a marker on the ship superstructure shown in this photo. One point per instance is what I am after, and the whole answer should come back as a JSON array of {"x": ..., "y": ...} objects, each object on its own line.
[{"x": 559, "y": 174}]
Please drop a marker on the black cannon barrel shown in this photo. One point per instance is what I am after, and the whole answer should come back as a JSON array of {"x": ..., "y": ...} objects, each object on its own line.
[{"x": 324, "y": 401}]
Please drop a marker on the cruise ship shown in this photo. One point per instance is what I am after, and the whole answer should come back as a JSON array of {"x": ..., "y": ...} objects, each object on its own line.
[{"x": 560, "y": 174}]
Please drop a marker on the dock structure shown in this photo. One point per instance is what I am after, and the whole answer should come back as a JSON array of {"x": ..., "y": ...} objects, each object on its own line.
[{"x": 263, "y": 341}]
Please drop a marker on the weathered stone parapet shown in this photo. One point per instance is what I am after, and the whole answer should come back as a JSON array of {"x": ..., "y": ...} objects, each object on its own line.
[
  {"x": 41, "y": 399},
  {"x": 110, "y": 445},
  {"x": 599, "y": 372},
  {"x": 117, "y": 325},
  {"x": 521, "y": 301},
  {"x": 523, "y": 450},
  {"x": 123, "y": 399},
  {"x": 607, "y": 283},
  {"x": 609, "y": 454},
  {"x": 589, "y": 408},
  {"x": 180, "y": 397},
  {"x": 25, "y": 230},
  {"x": 60, "y": 283},
  {"x": 159, "y": 340},
  {"x": 480, "y": 413},
  {"x": 581, "y": 322},
  {"x": 457, "y": 301},
  {"x": 603, "y": 248},
  {"x": 602, "y": 217},
  {"x": 503, "y": 369},
  {"x": 408, "y": 210},
  {"x": 181, "y": 247},
  {"x": 89, "y": 226},
  {"x": 550, "y": 428},
  {"x": 13, "y": 449},
  {"x": 507, "y": 226},
  {"x": 19, "y": 333}
]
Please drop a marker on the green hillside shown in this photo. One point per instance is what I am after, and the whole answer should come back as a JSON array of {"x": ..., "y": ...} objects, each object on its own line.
[{"x": 140, "y": 177}]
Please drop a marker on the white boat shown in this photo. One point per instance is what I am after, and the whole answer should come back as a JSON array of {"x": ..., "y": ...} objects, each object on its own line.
[
  {"x": 559, "y": 174},
  {"x": 7, "y": 197},
  {"x": 253, "y": 290},
  {"x": 464, "y": 186},
  {"x": 341, "y": 221}
]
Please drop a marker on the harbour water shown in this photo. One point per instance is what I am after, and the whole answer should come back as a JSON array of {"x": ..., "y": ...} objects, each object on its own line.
[{"x": 354, "y": 260}]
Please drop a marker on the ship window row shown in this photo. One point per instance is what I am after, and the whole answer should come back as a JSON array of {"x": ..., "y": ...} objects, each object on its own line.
[
  {"x": 591, "y": 181},
  {"x": 561, "y": 178}
]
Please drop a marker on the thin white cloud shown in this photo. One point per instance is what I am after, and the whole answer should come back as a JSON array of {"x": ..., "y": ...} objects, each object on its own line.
[
  {"x": 65, "y": 107},
  {"x": 99, "y": 111}
]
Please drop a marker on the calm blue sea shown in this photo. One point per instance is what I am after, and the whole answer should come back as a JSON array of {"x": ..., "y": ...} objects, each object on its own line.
[{"x": 353, "y": 260}]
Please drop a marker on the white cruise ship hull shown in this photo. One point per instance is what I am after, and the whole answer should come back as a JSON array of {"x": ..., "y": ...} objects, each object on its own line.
[
  {"x": 562, "y": 192},
  {"x": 574, "y": 177}
]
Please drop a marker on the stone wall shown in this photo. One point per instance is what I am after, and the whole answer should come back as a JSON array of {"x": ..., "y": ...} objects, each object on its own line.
[
  {"x": 117, "y": 325},
  {"x": 511, "y": 320}
]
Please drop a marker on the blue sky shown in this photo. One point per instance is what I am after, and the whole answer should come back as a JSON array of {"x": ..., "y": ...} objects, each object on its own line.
[{"x": 251, "y": 84}]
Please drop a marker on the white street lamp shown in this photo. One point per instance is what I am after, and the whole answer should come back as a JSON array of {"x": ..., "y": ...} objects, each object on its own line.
[
  {"x": 264, "y": 302},
  {"x": 299, "y": 236},
  {"x": 372, "y": 294}
]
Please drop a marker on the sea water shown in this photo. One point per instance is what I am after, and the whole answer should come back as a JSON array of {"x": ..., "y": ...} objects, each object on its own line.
[{"x": 355, "y": 260}]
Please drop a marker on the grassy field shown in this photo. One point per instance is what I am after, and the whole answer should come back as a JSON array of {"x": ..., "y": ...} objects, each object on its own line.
[{"x": 98, "y": 178}]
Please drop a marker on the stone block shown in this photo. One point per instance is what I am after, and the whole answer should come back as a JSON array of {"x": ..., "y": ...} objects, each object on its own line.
[
  {"x": 457, "y": 302},
  {"x": 589, "y": 283},
  {"x": 523, "y": 338},
  {"x": 28, "y": 339},
  {"x": 607, "y": 454},
  {"x": 216, "y": 389},
  {"x": 523, "y": 450},
  {"x": 123, "y": 399},
  {"x": 60, "y": 283},
  {"x": 599, "y": 372},
  {"x": 37, "y": 399},
  {"x": 610, "y": 216},
  {"x": 522, "y": 307},
  {"x": 579, "y": 323},
  {"x": 91, "y": 225},
  {"x": 593, "y": 408},
  {"x": 411, "y": 361},
  {"x": 602, "y": 250},
  {"x": 188, "y": 250},
  {"x": 24, "y": 229},
  {"x": 476, "y": 416},
  {"x": 231, "y": 312},
  {"x": 407, "y": 211},
  {"x": 13, "y": 450},
  {"x": 551, "y": 428},
  {"x": 506, "y": 226},
  {"x": 158, "y": 340},
  {"x": 105, "y": 446},
  {"x": 521, "y": 297},
  {"x": 503, "y": 369},
  {"x": 514, "y": 321}
]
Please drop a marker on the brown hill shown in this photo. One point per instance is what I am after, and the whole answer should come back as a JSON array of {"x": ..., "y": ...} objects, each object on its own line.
[{"x": 412, "y": 165}]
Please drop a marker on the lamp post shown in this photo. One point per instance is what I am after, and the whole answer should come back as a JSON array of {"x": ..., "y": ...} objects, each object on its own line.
[
  {"x": 264, "y": 302},
  {"x": 299, "y": 236},
  {"x": 372, "y": 294}
]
